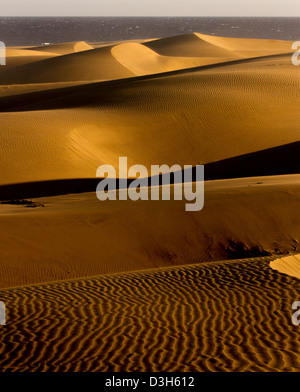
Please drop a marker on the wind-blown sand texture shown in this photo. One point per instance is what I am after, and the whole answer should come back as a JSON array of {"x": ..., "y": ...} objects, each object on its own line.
[
  {"x": 165, "y": 293},
  {"x": 223, "y": 316}
]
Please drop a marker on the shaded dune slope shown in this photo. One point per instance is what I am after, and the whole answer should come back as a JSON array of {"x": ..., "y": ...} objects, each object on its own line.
[{"x": 274, "y": 161}]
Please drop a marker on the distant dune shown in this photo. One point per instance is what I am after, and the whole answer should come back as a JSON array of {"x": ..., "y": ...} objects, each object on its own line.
[
  {"x": 212, "y": 114},
  {"x": 289, "y": 265},
  {"x": 165, "y": 293}
]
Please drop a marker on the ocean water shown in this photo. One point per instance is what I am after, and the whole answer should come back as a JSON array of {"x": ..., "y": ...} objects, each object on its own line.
[{"x": 35, "y": 31}]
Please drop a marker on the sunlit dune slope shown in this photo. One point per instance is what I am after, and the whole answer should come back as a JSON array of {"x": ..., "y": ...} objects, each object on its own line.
[
  {"x": 188, "y": 45},
  {"x": 19, "y": 57},
  {"x": 85, "y": 65},
  {"x": 79, "y": 235},
  {"x": 289, "y": 265},
  {"x": 189, "y": 118},
  {"x": 128, "y": 59},
  {"x": 201, "y": 45},
  {"x": 248, "y": 47},
  {"x": 143, "y": 61}
]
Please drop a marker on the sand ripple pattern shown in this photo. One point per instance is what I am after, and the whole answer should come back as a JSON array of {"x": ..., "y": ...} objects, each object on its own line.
[{"x": 222, "y": 316}]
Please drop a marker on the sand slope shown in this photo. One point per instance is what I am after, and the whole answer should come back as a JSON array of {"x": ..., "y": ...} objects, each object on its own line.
[
  {"x": 228, "y": 316},
  {"x": 248, "y": 47},
  {"x": 201, "y": 45},
  {"x": 76, "y": 235},
  {"x": 64, "y": 48},
  {"x": 81, "y": 61},
  {"x": 60, "y": 123},
  {"x": 142, "y": 61},
  {"x": 287, "y": 265},
  {"x": 20, "y": 57},
  {"x": 212, "y": 114},
  {"x": 94, "y": 64}
]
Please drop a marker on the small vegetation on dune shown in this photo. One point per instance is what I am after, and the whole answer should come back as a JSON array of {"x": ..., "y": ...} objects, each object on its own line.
[{"x": 22, "y": 202}]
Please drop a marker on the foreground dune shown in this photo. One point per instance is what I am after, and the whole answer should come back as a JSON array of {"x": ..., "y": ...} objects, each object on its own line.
[
  {"x": 146, "y": 285},
  {"x": 76, "y": 235},
  {"x": 227, "y": 316}
]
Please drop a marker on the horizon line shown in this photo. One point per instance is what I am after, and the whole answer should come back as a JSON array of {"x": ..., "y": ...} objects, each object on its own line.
[{"x": 147, "y": 16}]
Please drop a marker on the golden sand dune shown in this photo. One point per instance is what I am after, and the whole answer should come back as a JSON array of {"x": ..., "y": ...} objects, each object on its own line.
[
  {"x": 21, "y": 89},
  {"x": 227, "y": 316},
  {"x": 16, "y": 57},
  {"x": 19, "y": 57},
  {"x": 142, "y": 61},
  {"x": 287, "y": 265},
  {"x": 201, "y": 45},
  {"x": 93, "y": 64},
  {"x": 76, "y": 235},
  {"x": 26, "y": 52},
  {"x": 231, "y": 104},
  {"x": 64, "y": 48},
  {"x": 163, "y": 55},
  {"x": 212, "y": 114},
  {"x": 248, "y": 47},
  {"x": 189, "y": 45}
]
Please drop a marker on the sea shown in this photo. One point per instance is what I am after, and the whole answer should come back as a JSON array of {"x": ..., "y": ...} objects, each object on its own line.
[{"x": 26, "y": 31}]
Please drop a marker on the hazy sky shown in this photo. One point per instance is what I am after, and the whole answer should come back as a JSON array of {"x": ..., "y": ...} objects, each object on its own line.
[{"x": 149, "y": 8}]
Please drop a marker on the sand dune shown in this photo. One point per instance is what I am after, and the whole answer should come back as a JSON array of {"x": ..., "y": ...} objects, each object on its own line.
[
  {"x": 64, "y": 48},
  {"x": 19, "y": 90},
  {"x": 248, "y": 47},
  {"x": 94, "y": 64},
  {"x": 228, "y": 316},
  {"x": 205, "y": 112},
  {"x": 165, "y": 294},
  {"x": 160, "y": 233},
  {"x": 189, "y": 45},
  {"x": 201, "y": 45},
  {"x": 142, "y": 61},
  {"x": 81, "y": 61},
  {"x": 18, "y": 57},
  {"x": 287, "y": 265}
]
